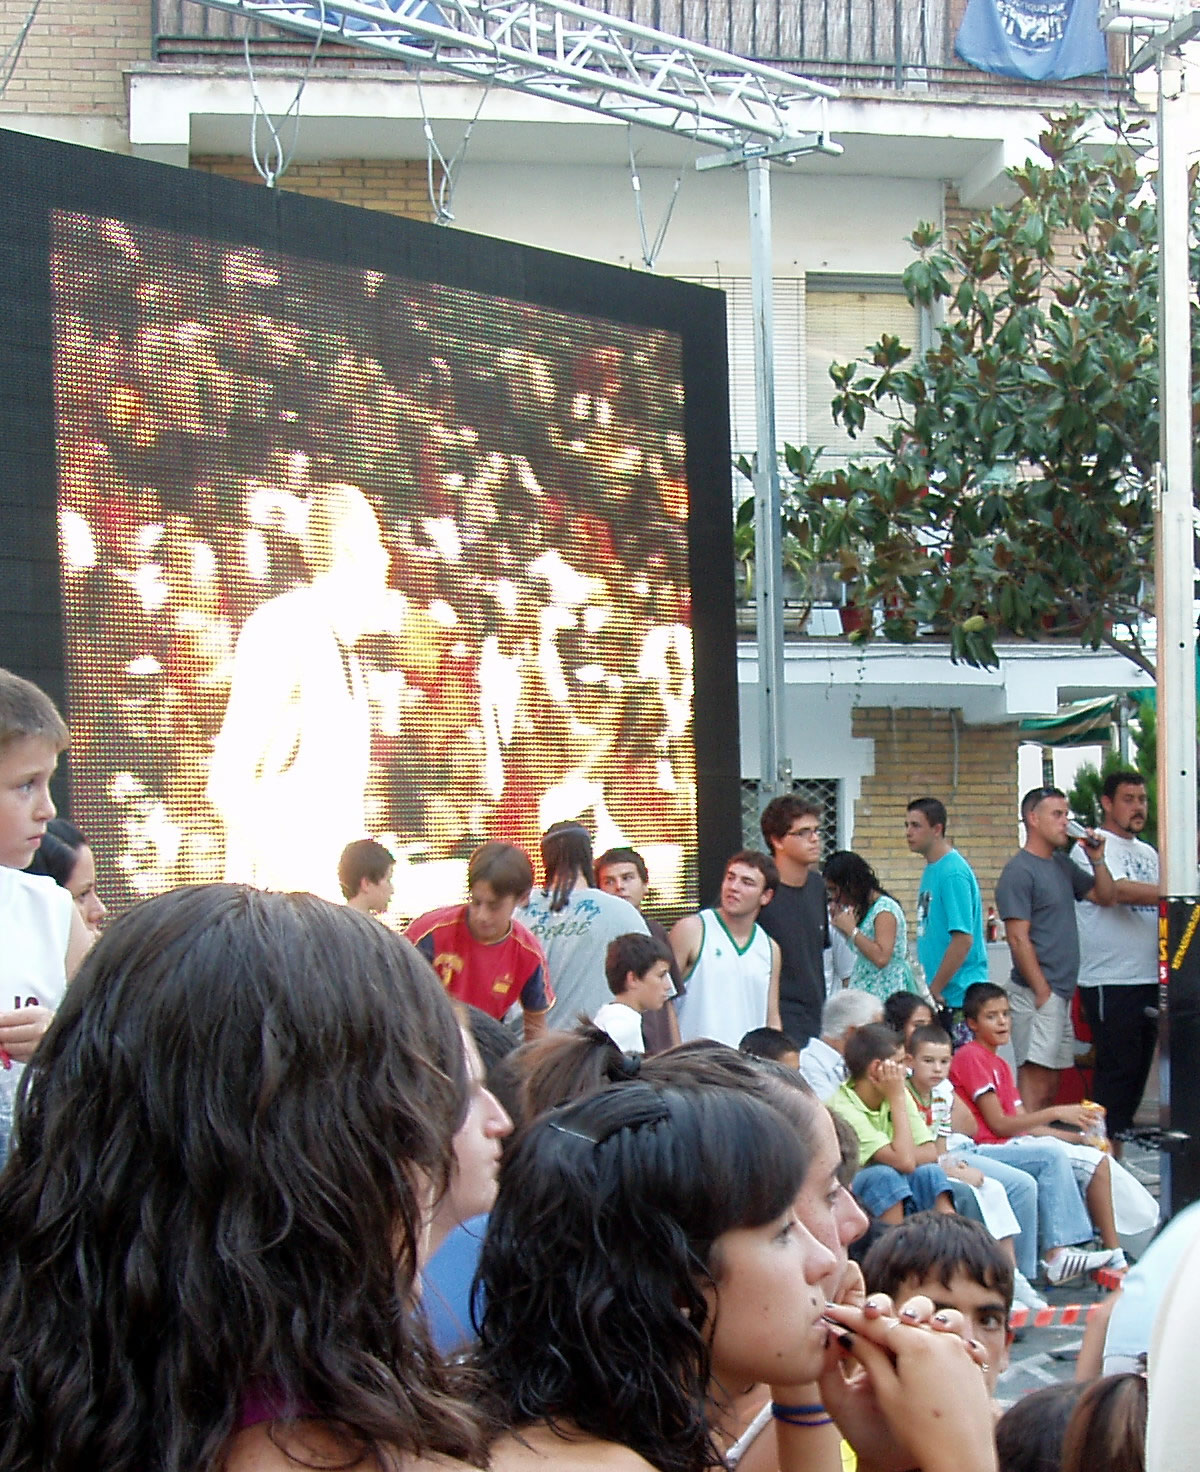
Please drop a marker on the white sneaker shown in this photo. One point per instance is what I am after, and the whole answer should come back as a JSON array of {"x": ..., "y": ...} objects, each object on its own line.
[
  {"x": 1025, "y": 1294},
  {"x": 1074, "y": 1262},
  {"x": 1118, "y": 1262}
]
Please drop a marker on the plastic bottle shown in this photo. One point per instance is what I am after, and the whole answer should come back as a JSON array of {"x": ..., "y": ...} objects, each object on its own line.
[{"x": 992, "y": 924}]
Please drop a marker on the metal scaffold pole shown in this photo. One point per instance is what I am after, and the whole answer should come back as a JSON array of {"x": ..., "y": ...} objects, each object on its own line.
[
  {"x": 768, "y": 530},
  {"x": 1175, "y": 577}
]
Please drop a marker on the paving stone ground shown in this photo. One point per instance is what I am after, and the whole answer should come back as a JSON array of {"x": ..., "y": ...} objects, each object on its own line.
[{"x": 1042, "y": 1356}]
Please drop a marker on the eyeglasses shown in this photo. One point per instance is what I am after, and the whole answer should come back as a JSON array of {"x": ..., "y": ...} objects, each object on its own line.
[{"x": 803, "y": 832}]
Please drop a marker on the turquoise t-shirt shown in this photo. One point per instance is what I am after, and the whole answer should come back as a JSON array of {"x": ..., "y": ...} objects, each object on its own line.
[{"x": 949, "y": 900}]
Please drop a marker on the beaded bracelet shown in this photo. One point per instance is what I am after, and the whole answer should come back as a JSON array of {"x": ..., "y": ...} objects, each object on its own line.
[{"x": 803, "y": 1416}]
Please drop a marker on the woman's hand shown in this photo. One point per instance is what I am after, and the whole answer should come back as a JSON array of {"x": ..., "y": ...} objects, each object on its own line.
[
  {"x": 917, "y": 1398},
  {"x": 843, "y": 919}
]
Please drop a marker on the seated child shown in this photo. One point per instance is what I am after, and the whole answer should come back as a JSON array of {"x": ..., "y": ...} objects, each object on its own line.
[
  {"x": 984, "y": 1082},
  {"x": 484, "y": 956},
  {"x": 898, "y": 1157},
  {"x": 985, "y": 1190},
  {"x": 772, "y": 1043},
  {"x": 638, "y": 969},
  {"x": 958, "y": 1265}
]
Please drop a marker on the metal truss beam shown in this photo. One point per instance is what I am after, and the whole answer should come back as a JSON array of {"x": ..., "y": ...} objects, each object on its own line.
[{"x": 566, "y": 53}]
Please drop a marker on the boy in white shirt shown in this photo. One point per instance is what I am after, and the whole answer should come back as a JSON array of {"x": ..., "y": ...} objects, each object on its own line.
[
  {"x": 638, "y": 970},
  {"x": 1002, "y": 1197},
  {"x": 44, "y": 937}
]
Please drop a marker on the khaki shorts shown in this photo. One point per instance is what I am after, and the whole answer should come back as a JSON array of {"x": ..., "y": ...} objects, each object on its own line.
[{"x": 1042, "y": 1035}]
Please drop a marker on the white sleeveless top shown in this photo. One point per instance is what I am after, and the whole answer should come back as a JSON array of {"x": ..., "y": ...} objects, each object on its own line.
[
  {"x": 728, "y": 987},
  {"x": 35, "y": 927}
]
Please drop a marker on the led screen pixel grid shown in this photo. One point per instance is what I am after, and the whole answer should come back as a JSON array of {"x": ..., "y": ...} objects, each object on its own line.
[{"x": 347, "y": 549}]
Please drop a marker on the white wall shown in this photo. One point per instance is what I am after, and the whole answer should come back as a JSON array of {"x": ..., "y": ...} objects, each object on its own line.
[{"x": 820, "y": 224}]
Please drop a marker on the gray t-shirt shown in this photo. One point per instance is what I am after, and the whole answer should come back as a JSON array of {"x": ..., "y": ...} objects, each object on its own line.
[
  {"x": 575, "y": 940},
  {"x": 1044, "y": 891}
]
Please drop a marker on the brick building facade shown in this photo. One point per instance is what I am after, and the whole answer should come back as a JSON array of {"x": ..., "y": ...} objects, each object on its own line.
[
  {"x": 397, "y": 186},
  {"x": 930, "y": 753},
  {"x": 75, "y": 58}
]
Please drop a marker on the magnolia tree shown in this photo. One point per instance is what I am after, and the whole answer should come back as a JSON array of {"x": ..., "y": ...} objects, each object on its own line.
[{"x": 1009, "y": 492}]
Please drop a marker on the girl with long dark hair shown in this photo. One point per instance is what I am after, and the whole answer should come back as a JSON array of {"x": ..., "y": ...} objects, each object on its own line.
[
  {"x": 873, "y": 924},
  {"x": 644, "y": 1264},
  {"x": 227, "y": 1151}
]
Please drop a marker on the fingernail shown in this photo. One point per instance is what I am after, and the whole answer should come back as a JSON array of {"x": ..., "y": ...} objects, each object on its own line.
[
  {"x": 908, "y": 1313},
  {"x": 941, "y": 1318},
  {"x": 974, "y": 1344}
]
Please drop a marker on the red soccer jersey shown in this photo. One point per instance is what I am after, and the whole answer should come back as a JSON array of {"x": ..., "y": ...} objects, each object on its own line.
[
  {"x": 974, "y": 1070},
  {"x": 490, "y": 977}
]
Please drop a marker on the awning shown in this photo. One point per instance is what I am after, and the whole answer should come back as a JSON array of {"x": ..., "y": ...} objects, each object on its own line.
[{"x": 1083, "y": 723}]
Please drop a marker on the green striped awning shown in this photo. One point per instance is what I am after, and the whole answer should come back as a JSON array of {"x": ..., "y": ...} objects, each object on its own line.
[{"x": 1083, "y": 723}]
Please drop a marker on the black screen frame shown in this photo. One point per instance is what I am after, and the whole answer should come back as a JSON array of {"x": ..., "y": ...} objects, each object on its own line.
[{"x": 42, "y": 176}]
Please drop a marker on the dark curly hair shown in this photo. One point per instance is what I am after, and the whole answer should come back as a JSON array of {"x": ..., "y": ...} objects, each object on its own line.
[
  {"x": 225, "y": 1145},
  {"x": 598, "y": 1253}
]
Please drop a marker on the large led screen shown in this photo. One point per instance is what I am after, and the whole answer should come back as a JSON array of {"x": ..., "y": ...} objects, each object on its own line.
[{"x": 349, "y": 545}]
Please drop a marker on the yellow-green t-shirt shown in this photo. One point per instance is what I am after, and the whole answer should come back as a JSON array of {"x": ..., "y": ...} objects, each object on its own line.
[{"x": 873, "y": 1127}]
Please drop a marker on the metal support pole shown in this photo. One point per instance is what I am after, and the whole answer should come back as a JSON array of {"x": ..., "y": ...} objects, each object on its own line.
[
  {"x": 1175, "y": 575},
  {"x": 768, "y": 509}
]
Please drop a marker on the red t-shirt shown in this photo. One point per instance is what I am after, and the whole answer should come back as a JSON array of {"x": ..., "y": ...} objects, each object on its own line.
[
  {"x": 490, "y": 977},
  {"x": 974, "y": 1070}
]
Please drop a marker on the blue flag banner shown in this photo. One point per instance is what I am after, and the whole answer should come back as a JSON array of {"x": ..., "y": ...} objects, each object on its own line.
[{"x": 1036, "y": 40}]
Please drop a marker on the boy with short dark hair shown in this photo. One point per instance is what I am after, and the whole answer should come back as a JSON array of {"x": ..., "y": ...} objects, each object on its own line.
[
  {"x": 483, "y": 955},
  {"x": 730, "y": 964},
  {"x": 638, "y": 971},
  {"x": 899, "y": 1166},
  {"x": 42, "y": 935},
  {"x": 365, "y": 876},
  {"x": 797, "y": 917},
  {"x": 984, "y": 1082},
  {"x": 957, "y": 1264},
  {"x": 772, "y": 1043},
  {"x": 623, "y": 872}
]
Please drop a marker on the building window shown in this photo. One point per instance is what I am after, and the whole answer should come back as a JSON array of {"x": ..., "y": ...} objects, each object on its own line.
[
  {"x": 822, "y": 792},
  {"x": 819, "y": 320},
  {"x": 844, "y": 317}
]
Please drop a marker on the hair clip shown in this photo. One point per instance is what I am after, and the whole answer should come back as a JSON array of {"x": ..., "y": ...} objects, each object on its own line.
[{"x": 578, "y": 1134}]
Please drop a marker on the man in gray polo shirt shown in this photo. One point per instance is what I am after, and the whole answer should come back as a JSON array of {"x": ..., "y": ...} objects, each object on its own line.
[{"x": 1035, "y": 896}]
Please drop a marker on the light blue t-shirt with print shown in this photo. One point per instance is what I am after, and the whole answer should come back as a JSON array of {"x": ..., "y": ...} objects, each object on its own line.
[
  {"x": 949, "y": 900},
  {"x": 575, "y": 940}
]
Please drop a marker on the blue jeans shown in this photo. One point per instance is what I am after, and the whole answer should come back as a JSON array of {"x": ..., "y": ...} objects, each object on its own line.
[
  {"x": 880, "y": 1187},
  {"x": 1021, "y": 1188},
  {"x": 1062, "y": 1217}
]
